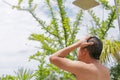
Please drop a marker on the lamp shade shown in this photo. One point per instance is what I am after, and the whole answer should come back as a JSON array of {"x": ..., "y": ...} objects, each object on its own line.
[{"x": 86, "y": 4}]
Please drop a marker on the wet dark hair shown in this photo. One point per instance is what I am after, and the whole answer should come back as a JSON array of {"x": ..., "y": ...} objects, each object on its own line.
[{"x": 95, "y": 49}]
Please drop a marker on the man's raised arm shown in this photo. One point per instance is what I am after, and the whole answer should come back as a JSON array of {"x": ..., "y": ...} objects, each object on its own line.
[{"x": 59, "y": 59}]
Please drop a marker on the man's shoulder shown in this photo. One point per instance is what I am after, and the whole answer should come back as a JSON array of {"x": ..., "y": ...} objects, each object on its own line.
[
  {"x": 90, "y": 66},
  {"x": 82, "y": 65}
]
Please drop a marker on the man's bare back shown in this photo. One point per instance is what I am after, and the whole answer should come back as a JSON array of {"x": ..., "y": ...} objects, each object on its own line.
[{"x": 94, "y": 71}]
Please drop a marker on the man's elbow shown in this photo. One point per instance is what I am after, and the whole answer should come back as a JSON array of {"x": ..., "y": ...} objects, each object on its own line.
[{"x": 52, "y": 59}]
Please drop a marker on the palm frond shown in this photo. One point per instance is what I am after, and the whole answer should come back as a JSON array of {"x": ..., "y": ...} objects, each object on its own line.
[{"x": 110, "y": 47}]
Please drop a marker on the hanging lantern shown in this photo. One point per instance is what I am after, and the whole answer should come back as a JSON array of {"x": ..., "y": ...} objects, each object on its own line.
[{"x": 86, "y": 4}]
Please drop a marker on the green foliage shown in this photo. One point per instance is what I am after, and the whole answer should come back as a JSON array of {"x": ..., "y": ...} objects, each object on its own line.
[
  {"x": 118, "y": 2},
  {"x": 101, "y": 28},
  {"x": 24, "y": 74},
  {"x": 19, "y": 2},
  {"x": 30, "y": 2},
  {"x": 7, "y": 77},
  {"x": 105, "y": 3},
  {"x": 21, "y": 74},
  {"x": 112, "y": 47},
  {"x": 61, "y": 32},
  {"x": 115, "y": 72}
]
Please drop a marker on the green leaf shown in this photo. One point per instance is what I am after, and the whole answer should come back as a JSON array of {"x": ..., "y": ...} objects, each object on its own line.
[
  {"x": 30, "y": 2},
  {"x": 19, "y": 2},
  {"x": 34, "y": 7}
]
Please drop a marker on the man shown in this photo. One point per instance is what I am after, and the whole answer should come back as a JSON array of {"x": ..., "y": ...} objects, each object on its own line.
[{"x": 87, "y": 67}]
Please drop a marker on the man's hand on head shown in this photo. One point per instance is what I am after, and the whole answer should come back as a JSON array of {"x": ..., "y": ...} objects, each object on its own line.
[{"x": 84, "y": 43}]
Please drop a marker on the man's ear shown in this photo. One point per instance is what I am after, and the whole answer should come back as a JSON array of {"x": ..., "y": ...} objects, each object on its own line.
[{"x": 85, "y": 52}]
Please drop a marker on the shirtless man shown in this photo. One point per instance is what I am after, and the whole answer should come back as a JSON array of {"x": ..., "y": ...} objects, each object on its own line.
[{"x": 87, "y": 67}]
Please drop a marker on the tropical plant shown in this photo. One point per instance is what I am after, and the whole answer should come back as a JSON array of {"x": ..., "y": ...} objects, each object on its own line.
[
  {"x": 24, "y": 74},
  {"x": 20, "y": 74},
  {"x": 115, "y": 72},
  {"x": 61, "y": 32},
  {"x": 7, "y": 77},
  {"x": 101, "y": 28}
]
